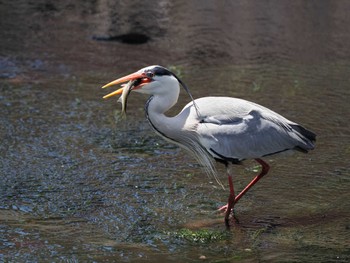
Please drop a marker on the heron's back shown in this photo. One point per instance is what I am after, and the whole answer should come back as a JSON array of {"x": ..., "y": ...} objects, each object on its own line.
[{"x": 233, "y": 128}]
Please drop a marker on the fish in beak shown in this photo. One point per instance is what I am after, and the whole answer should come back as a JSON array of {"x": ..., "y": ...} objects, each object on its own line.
[{"x": 135, "y": 81}]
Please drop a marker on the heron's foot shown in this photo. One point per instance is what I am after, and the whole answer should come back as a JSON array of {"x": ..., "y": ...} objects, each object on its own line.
[
  {"x": 231, "y": 221},
  {"x": 229, "y": 214},
  {"x": 230, "y": 204},
  {"x": 230, "y": 217},
  {"x": 223, "y": 209}
]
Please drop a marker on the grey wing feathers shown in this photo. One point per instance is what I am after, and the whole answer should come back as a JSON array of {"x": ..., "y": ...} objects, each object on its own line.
[{"x": 249, "y": 131}]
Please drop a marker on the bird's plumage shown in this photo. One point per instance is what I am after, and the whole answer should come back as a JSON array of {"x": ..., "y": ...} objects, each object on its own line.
[
  {"x": 225, "y": 129},
  {"x": 239, "y": 129},
  {"x": 230, "y": 130}
]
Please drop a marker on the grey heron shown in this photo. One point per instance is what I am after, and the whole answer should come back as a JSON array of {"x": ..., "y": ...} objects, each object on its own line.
[{"x": 224, "y": 129}]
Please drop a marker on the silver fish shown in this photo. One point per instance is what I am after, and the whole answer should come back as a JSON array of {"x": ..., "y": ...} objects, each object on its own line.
[{"x": 123, "y": 99}]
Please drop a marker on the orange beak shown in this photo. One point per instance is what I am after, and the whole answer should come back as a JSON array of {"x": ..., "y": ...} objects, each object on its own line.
[{"x": 133, "y": 76}]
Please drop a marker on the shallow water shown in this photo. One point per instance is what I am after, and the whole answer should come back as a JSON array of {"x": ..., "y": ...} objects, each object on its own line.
[{"x": 79, "y": 183}]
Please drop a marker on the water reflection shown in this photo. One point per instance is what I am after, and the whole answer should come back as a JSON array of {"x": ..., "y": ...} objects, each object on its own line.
[{"x": 79, "y": 183}]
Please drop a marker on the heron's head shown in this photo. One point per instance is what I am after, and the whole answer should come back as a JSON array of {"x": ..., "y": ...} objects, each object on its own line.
[{"x": 151, "y": 80}]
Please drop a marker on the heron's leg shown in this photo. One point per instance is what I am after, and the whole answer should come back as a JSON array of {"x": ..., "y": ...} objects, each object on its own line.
[
  {"x": 230, "y": 201},
  {"x": 232, "y": 190},
  {"x": 264, "y": 169}
]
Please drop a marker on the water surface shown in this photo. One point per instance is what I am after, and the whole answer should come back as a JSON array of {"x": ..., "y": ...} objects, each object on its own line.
[{"x": 79, "y": 183}]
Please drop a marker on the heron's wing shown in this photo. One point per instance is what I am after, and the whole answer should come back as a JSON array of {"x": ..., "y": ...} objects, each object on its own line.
[
  {"x": 238, "y": 129},
  {"x": 242, "y": 134}
]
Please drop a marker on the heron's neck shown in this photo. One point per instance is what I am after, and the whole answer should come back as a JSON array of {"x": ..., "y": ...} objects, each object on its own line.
[{"x": 156, "y": 108}]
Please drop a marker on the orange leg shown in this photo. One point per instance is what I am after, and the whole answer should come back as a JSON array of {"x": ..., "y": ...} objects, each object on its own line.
[
  {"x": 232, "y": 199},
  {"x": 230, "y": 202}
]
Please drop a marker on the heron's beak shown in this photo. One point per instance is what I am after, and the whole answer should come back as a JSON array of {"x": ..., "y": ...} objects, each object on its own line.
[
  {"x": 134, "y": 76},
  {"x": 135, "y": 81}
]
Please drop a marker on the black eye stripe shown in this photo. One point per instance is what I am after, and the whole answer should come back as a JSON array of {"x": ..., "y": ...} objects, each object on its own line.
[{"x": 160, "y": 71}]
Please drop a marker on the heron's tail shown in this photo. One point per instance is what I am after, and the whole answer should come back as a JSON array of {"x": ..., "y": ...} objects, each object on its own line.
[{"x": 308, "y": 137}]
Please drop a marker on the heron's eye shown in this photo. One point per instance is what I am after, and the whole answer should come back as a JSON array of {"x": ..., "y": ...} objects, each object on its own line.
[{"x": 150, "y": 75}]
